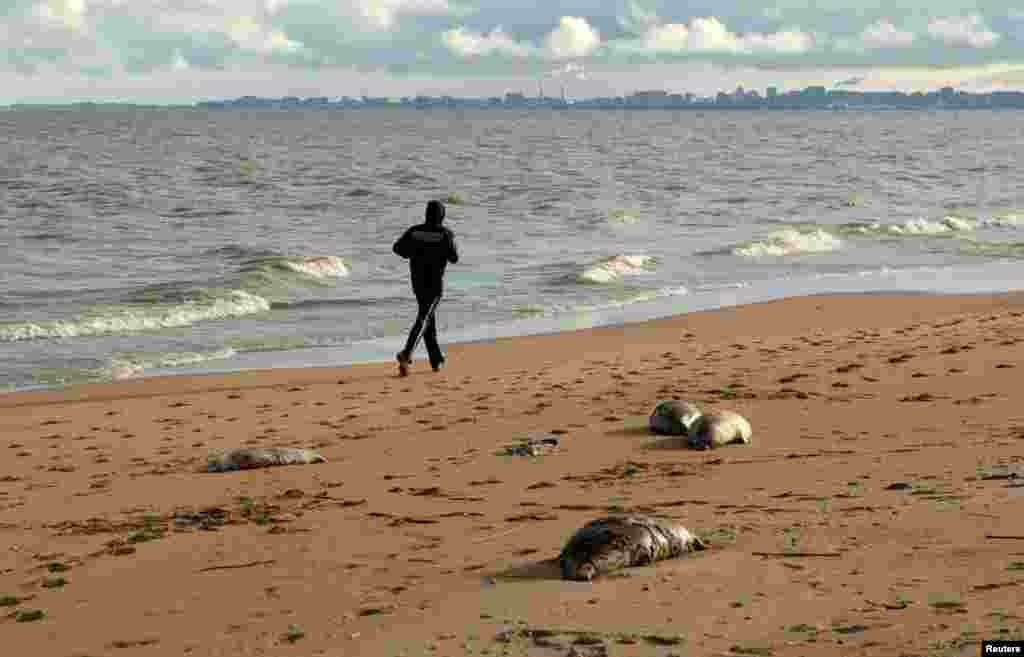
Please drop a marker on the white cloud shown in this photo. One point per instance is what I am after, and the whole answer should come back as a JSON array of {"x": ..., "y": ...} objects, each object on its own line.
[
  {"x": 963, "y": 32},
  {"x": 574, "y": 37},
  {"x": 710, "y": 34},
  {"x": 63, "y": 13},
  {"x": 250, "y": 34},
  {"x": 382, "y": 14},
  {"x": 466, "y": 43},
  {"x": 884, "y": 34}
]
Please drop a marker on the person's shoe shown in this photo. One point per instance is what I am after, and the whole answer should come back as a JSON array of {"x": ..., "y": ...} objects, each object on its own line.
[
  {"x": 403, "y": 363},
  {"x": 436, "y": 366}
]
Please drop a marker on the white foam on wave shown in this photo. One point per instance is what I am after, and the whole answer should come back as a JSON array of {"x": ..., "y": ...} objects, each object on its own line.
[
  {"x": 1009, "y": 220},
  {"x": 318, "y": 266},
  {"x": 611, "y": 269},
  {"x": 946, "y": 226},
  {"x": 790, "y": 242},
  {"x": 128, "y": 367},
  {"x": 234, "y": 303}
]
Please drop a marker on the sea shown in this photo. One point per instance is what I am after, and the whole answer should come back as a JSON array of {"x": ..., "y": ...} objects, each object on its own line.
[{"x": 135, "y": 244}]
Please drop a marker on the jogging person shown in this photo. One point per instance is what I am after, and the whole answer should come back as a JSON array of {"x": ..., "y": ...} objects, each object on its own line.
[{"x": 429, "y": 247}]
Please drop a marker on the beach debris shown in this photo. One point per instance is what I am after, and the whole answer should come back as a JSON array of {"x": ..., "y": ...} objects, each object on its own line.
[
  {"x": 608, "y": 544},
  {"x": 247, "y": 458},
  {"x": 534, "y": 444},
  {"x": 673, "y": 417},
  {"x": 719, "y": 428},
  {"x": 232, "y": 566}
]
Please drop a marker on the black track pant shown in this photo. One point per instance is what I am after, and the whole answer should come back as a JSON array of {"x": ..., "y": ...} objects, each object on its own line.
[{"x": 426, "y": 324}]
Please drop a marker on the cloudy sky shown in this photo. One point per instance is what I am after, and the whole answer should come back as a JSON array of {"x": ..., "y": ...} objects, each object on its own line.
[{"x": 174, "y": 51}]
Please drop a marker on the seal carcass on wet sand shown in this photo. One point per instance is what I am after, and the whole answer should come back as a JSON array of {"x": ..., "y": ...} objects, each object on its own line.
[
  {"x": 261, "y": 457},
  {"x": 673, "y": 417},
  {"x": 719, "y": 428},
  {"x": 608, "y": 544}
]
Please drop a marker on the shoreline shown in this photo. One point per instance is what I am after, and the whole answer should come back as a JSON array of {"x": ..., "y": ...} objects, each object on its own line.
[
  {"x": 218, "y": 381},
  {"x": 887, "y": 437},
  {"x": 623, "y": 318}
]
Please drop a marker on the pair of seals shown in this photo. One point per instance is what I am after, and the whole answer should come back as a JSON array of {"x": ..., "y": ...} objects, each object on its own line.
[
  {"x": 608, "y": 544},
  {"x": 247, "y": 458},
  {"x": 703, "y": 430}
]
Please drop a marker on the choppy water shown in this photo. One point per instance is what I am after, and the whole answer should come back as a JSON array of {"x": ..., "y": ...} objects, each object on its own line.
[{"x": 137, "y": 244}]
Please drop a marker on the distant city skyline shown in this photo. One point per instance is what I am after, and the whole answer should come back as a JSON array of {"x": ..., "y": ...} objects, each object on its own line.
[
  {"x": 181, "y": 52},
  {"x": 774, "y": 98}
]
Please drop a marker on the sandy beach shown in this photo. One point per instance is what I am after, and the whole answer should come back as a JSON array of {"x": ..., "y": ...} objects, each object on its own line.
[{"x": 877, "y": 511}]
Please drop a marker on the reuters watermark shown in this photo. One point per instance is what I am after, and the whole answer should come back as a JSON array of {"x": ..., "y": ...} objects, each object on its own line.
[{"x": 1002, "y": 648}]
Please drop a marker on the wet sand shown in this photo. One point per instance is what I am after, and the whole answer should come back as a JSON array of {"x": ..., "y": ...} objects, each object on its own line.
[{"x": 878, "y": 511}]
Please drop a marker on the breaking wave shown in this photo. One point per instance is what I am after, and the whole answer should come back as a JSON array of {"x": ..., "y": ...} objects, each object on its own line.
[
  {"x": 948, "y": 225},
  {"x": 320, "y": 268},
  {"x": 611, "y": 269},
  {"x": 1006, "y": 220},
  {"x": 231, "y": 303},
  {"x": 623, "y": 217},
  {"x": 912, "y": 227},
  {"x": 790, "y": 242},
  {"x": 126, "y": 367}
]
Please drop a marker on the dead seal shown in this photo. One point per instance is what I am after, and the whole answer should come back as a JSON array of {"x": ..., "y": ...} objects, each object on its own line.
[
  {"x": 673, "y": 417},
  {"x": 719, "y": 428},
  {"x": 609, "y": 544},
  {"x": 247, "y": 458}
]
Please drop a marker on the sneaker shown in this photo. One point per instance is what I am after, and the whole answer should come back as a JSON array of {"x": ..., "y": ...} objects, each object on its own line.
[{"x": 403, "y": 363}]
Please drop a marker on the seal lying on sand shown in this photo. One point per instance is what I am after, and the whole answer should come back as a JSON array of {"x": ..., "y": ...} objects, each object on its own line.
[
  {"x": 261, "y": 457},
  {"x": 719, "y": 428},
  {"x": 673, "y": 417},
  {"x": 608, "y": 544}
]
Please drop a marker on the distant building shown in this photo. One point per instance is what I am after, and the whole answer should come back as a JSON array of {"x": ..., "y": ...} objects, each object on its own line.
[{"x": 655, "y": 99}]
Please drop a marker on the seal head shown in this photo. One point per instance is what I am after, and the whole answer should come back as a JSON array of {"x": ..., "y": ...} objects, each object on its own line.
[{"x": 673, "y": 417}]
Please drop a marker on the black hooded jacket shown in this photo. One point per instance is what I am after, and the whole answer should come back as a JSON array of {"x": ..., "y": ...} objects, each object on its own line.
[{"x": 429, "y": 247}]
